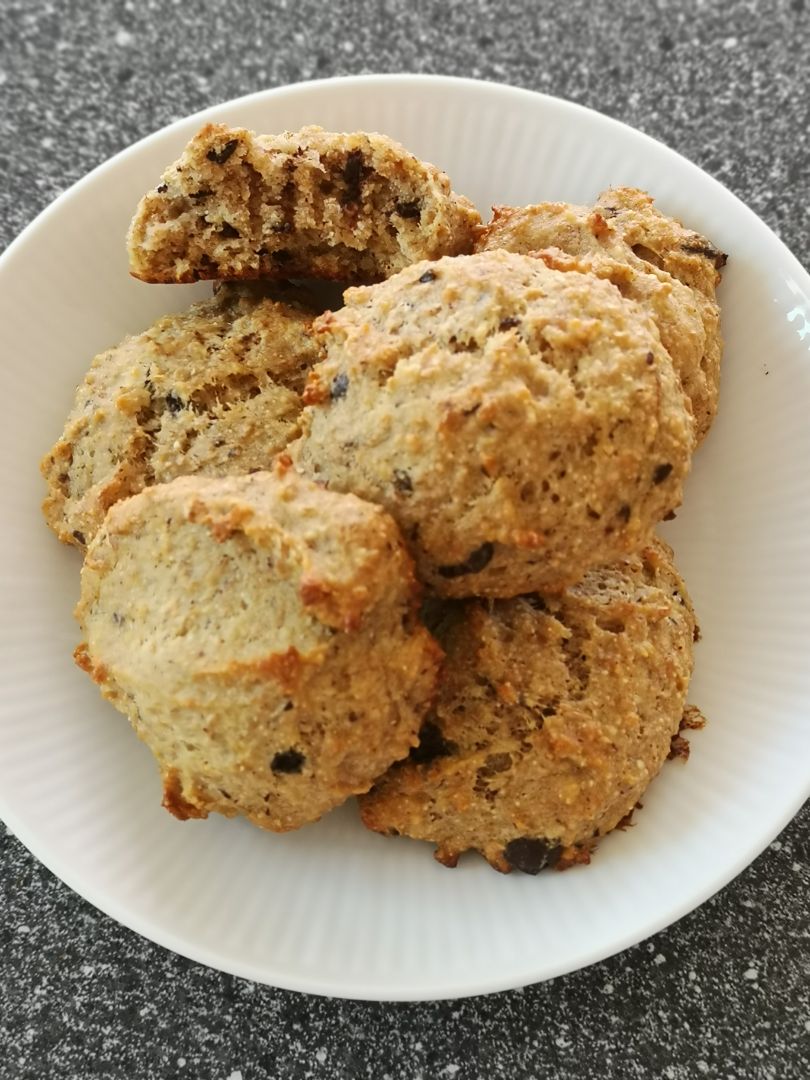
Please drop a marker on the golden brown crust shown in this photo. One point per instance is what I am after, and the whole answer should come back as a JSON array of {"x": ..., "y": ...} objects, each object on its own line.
[
  {"x": 173, "y": 800},
  {"x": 670, "y": 270},
  {"x": 521, "y": 424},
  {"x": 312, "y": 204},
  {"x": 253, "y": 701},
  {"x": 552, "y": 717},
  {"x": 213, "y": 390}
]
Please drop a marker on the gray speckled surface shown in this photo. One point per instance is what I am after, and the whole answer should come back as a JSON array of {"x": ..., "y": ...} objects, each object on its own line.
[{"x": 726, "y": 992}]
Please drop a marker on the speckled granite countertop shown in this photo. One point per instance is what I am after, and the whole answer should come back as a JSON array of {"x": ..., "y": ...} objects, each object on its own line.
[{"x": 726, "y": 992}]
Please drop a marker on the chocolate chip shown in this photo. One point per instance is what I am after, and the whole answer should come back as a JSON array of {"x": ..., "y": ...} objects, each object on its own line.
[
  {"x": 174, "y": 403},
  {"x": 161, "y": 188},
  {"x": 221, "y": 156},
  {"x": 432, "y": 744},
  {"x": 411, "y": 209},
  {"x": 229, "y": 231},
  {"x": 475, "y": 562},
  {"x": 353, "y": 177},
  {"x": 402, "y": 481},
  {"x": 508, "y": 323},
  {"x": 719, "y": 258},
  {"x": 623, "y": 513},
  {"x": 340, "y": 384},
  {"x": 288, "y": 761},
  {"x": 670, "y": 515},
  {"x": 77, "y": 534},
  {"x": 661, "y": 473},
  {"x": 531, "y": 855},
  {"x": 427, "y": 277}
]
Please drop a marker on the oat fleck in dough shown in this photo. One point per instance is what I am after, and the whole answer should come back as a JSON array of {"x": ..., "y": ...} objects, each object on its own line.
[
  {"x": 672, "y": 271},
  {"x": 213, "y": 390},
  {"x": 521, "y": 423},
  {"x": 553, "y": 716},
  {"x": 260, "y": 634},
  {"x": 309, "y": 204}
]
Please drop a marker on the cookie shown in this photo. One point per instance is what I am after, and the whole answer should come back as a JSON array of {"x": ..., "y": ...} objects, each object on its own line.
[
  {"x": 307, "y": 204},
  {"x": 260, "y": 634},
  {"x": 212, "y": 390},
  {"x": 522, "y": 424},
  {"x": 651, "y": 258},
  {"x": 552, "y": 717}
]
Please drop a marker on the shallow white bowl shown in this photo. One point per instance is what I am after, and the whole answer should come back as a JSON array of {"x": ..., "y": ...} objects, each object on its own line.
[{"x": 333, "y": 909}]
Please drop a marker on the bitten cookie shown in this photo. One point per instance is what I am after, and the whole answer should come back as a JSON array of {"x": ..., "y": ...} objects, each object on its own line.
[
  {"x": 312, "y": 203},
  {"x": 260, "y": 634},
  {"x": 213, "y": 390},
  {"x": 522, "y": 424},
  {"x": 651, "y": 258},
  {"x": 553, "y": 716}
]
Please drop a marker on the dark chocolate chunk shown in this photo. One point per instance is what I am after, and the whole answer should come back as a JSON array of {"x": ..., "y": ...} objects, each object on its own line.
[
  {"x": 411, "y": 209},
  {"x": 340, "y": 384},
  {"x": 432, "y": 744},
  {"x": 719, "y": 258},
  {"x": 509, "y": 323},
  {"x": 229, "y": 231},
  {"x": 221, "y": 156},
  {"x": 288, "y": 761},
  {"x": 427, "y": 277},
  {"x": 353, "y": 177},
  {"x": 174, "y": 403},
  {"x": 77, "y": 534},
  {"x": 402, "y": 481},
  {"x": 536, "y": 602},
  {"x": 475, "y": 562},
  {"x": 623, "y": 513},
  {"x": 531, "y": 855},
  {"x": 161, "y": 188},
  {"x": 661, "y": 473}
]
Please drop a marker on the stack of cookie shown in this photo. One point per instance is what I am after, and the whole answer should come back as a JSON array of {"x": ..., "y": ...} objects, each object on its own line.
[{"x": 491, "y": 426}]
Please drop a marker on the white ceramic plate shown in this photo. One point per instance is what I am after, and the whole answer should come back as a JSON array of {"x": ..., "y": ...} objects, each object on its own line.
[{"x": 333, "y": 909}]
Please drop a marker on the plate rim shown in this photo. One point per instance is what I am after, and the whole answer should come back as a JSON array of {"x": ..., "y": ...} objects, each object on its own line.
[{"x": 371, "y": 990}]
